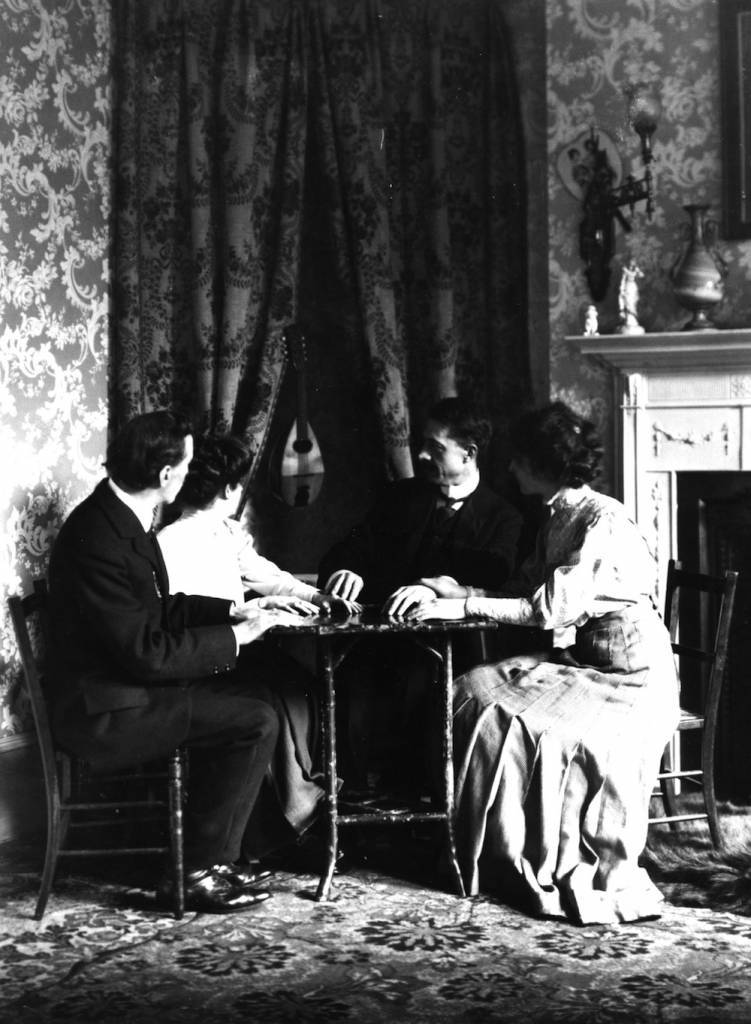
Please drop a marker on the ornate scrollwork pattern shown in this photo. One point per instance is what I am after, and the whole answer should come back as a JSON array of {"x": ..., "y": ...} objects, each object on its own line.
[
  {"x": 54, "y": 295},
  {"x": 690, "y": 437}
]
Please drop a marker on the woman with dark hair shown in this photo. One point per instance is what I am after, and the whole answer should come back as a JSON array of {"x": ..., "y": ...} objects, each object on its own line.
[
  {"x": 207, "y": 552},
  {"x": 556, "y": 753}
]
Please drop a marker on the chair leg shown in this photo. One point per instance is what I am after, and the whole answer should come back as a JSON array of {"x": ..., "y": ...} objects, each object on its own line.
[
  {"x": 55, "y": 834},
  {"x": 667, "y": 788},
  {"x": 708, "y": 789},
  {"x": 176, "y": 831}
]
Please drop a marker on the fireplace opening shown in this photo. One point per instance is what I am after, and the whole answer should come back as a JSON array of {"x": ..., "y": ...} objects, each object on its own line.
[{"x": 714, "y": 534}]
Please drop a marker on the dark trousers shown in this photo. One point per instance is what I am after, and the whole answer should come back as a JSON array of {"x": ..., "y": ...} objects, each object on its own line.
[
  {"x": 230, "y": 734},
  {"x": 231, "y": 739},
  {"x": 384, "y": 712},
  {"x": 389, "y": 711}
]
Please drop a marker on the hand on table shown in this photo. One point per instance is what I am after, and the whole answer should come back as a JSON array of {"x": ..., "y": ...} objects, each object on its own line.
[
  {"x": 407, "y": 599},
  {"x": 252, "y": 622},
  {"x": 338, "y": 608},
  {"x": 443, "y": 609},
  {"x": 444, "y": 586},
  {"x": 287, "y": 603},
  {"x": 345, "y": 584}
]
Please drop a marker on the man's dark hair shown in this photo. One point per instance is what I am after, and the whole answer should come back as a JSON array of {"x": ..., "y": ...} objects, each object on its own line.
[
  {"x": 145, "y": 445},
  {"x": 465, "y": 424},
  {"x": 559, "y": 443},
  {"x": 218, "y": 460}
]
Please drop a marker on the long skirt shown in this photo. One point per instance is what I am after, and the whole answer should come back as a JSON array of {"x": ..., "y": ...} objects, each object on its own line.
[
  {"x": 293, "y": 792},
  {"x": 555, "y": 763}
]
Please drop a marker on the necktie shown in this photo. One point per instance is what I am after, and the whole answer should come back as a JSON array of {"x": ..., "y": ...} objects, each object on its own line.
[
  {"x": 446, "y": 508},
  {"x": 160, "y": 572}
]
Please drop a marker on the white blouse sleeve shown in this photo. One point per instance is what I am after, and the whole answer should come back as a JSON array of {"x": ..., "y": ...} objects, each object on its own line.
[
  {"x": 266, "y": 578},
  {"x": 571, "y": 587},
  {"x": 515, "y": 611}
]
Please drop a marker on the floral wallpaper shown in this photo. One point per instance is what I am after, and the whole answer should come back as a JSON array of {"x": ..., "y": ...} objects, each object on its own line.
[
  {"x": 596, "y": 50},
  {"x": 55, "y": 101}
]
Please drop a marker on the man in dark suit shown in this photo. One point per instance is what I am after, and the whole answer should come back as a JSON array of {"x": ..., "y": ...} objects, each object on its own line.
[
  {"x": 444, "y": 523},
  {"x": 134, "y": 671}
]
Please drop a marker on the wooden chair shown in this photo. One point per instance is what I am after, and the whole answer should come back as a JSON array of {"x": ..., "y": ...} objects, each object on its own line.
[
  {"x": 78, "y": 799},
  {"x": 715, "y": 596}
]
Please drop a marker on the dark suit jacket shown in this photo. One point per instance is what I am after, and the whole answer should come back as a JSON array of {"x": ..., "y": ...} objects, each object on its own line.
[
  {"x": 116, "y": 630},
  {"x": 387, "y": 549}
]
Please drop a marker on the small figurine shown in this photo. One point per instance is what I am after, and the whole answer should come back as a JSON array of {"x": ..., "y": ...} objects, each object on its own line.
[
  {"x": 591, "y": 326},
  {"x": 628, "y": 299}
]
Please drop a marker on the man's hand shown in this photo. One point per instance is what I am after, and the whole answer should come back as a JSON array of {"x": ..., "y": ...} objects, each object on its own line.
[
  {"x": 345, "y": 584},
  {"x": 407, "y": 599},
  {"x": 444, "y": 609},
  {"x": 444, "y": 586},
  {"x": 258, "y": 621}
]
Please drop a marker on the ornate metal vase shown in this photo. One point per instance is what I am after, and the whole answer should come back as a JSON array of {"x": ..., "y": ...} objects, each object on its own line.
[{"x": 698, "y": 275}]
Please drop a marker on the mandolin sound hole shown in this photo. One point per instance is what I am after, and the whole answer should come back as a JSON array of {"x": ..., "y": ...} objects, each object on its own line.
[{"x": 302, "y": 447}]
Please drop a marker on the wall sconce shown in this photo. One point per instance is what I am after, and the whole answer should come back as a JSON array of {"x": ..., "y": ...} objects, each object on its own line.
[{"x": 603, "y": 201}]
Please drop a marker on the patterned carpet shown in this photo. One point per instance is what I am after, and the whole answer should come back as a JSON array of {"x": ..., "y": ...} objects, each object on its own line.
[{"x": 384, "y": 949}]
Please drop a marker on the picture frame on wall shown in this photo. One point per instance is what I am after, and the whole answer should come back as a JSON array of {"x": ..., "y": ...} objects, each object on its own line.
[{"x": 735, "y": 97}]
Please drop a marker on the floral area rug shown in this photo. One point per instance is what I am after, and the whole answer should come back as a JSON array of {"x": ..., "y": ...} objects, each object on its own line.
[
  {"x": 384, "y": 949},
  {"x": 690, "y": 873}
]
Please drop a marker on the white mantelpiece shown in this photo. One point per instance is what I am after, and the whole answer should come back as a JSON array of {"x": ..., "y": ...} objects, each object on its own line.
[{"x": 684, "y": 404}]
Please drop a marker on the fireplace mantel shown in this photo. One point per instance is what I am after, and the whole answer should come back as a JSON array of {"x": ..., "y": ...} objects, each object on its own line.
[
  {"x": 675, "y": 351},
  {"x": 683, "y": 403}
]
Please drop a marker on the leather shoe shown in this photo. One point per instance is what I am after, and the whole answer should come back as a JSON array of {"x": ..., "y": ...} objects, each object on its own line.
[
  {"x": 206, "y": 892},
  {"x": 240, "y": 878}
]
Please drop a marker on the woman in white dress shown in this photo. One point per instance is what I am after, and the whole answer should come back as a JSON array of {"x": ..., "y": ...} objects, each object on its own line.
[
  {"x": 208, "y": 552},
  {"x": 556, "y": 753}
]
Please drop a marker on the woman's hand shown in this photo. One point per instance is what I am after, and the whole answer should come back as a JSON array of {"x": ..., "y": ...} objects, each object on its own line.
[
  {"x": 335, "y": 607},
  {"x": 246, "y": 610},
  {"x": 444, "y": 586},
  {"x": 444, "y": 609},
  {"x": 287, "y": 603}
]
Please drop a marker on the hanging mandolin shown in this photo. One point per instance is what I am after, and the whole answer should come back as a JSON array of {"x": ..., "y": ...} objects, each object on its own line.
[{"x": 299, "y": 471}]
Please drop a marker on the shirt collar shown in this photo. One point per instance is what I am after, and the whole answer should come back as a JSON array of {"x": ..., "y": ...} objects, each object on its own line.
[
  {"x": 143, "y": 511},
  {"x": 460, "y": 492}
]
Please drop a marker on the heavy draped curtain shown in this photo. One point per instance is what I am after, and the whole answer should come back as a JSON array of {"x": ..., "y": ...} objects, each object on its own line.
[{"x": 354, "y": 165}]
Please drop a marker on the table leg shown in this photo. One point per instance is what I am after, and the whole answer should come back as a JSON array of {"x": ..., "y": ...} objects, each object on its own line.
[
  {"x": 326, "y": 673},
  {"x": 448, "y": 759}
]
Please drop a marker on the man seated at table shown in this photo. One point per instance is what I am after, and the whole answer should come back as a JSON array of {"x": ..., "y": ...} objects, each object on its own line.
[
  {"x": 444, "y": 522},
  {"x": 135, "y": 672}
]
